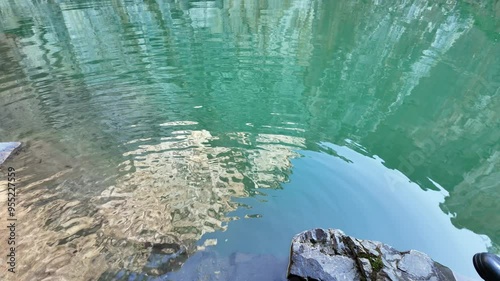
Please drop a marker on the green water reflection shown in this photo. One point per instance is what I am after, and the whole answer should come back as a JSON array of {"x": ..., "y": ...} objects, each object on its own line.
[{"x": 359, "y": 115}]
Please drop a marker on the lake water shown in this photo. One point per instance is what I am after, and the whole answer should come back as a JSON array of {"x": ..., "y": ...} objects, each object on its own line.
[{"x": 228, "y": 126}]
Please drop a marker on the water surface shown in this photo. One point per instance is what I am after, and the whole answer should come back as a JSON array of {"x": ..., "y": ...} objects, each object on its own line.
[{"x": 232, "y": 125}]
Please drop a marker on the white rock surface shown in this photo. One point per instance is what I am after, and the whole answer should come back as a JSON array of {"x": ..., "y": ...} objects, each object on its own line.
[
  {"x": 330, "y": 255},
  {"x": 6, "y": 149}
]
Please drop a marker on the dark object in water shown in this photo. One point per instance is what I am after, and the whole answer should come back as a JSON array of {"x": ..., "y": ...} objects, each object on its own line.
[
  {"x": 164, "y": 257},
  {"x": 487, "y": 265}
]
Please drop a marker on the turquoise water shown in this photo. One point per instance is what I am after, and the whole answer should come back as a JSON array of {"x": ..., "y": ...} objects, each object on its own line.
[{"x": 233, "y": 125}]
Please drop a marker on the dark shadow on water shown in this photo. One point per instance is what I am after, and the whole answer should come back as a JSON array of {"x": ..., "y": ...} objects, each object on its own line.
[{"x": 211, "y": 266}]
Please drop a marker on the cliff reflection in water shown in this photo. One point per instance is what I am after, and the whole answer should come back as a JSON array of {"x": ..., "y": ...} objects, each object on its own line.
[
  {"x": 170, "y": 194},
  {"x": 145, "y": 119}
]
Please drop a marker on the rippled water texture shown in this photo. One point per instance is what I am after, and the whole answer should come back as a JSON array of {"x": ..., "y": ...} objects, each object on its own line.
[{"x": 164, "y": 132}]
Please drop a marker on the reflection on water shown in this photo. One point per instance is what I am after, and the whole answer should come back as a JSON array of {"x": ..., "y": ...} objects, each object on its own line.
[
  {"x": 327, "y": 178},
  {"x": 146, "y": 122}
]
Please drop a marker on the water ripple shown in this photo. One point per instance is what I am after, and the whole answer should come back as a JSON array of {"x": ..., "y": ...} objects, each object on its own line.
[{"x": 144, "y": 123}]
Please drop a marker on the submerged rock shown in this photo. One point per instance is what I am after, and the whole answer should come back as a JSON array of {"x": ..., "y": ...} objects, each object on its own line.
[
  {"x": 6, "y": 149},
  {"x": 329, "y": 254},
  {"x": 209, "y": 265}
]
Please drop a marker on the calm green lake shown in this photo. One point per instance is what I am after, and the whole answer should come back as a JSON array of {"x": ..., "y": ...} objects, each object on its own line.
[{"x": 231, "y": 125}]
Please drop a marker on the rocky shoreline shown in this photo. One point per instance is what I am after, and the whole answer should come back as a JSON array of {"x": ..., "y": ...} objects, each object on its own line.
[
  {"x": 316, "y": 255},
  {"x": 331, "y": 255}
]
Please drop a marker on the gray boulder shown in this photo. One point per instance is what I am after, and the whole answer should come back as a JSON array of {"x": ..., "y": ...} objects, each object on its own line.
[
  {"x": 6, "y": 149},
  {"x": 330, "y": 255}
]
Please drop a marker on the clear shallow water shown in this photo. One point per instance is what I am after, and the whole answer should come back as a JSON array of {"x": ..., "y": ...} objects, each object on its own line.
[{"x": 181, "y": 122}]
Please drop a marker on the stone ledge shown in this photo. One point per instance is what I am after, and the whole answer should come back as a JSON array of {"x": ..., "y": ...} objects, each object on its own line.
[
  {"x": 330, "y": 255},
  {"x": 6, "y": 150}
]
